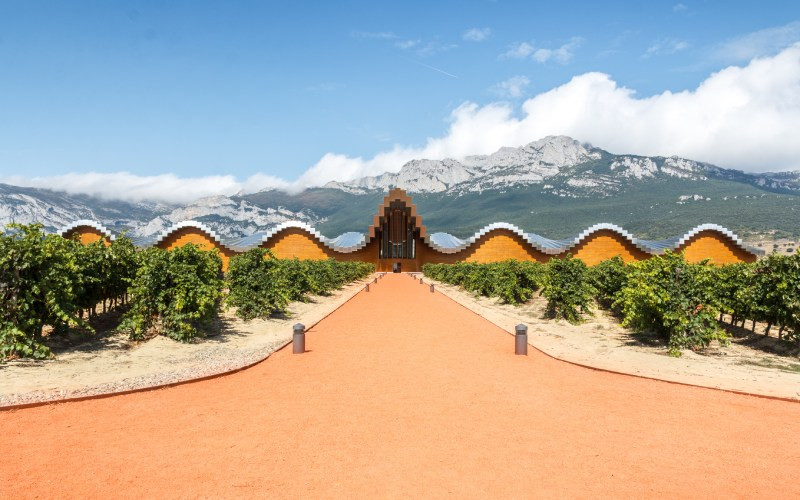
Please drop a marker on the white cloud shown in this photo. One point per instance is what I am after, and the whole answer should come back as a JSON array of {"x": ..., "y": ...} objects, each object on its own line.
[
  {"x": 476, "y": 34},
  {"x": 167, "y": 188},
  {"x": 666, "y": 46},
  {"x": 562, "y": 54},
  {"x": 514, "y": 87},
  {"x": 758, "y": 43},
  {"x": 435, "y": 47},
  {"x": 422, "y": 47},
  {"x": 407, "y": 44},
  {"x": 679, "y": 7},
  {"x": 519, "y": 50},
  {"x": 740, "y": 117}
]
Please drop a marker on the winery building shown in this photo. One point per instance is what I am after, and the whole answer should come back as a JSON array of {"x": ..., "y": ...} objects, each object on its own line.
[{"x": 398, "y": 237}]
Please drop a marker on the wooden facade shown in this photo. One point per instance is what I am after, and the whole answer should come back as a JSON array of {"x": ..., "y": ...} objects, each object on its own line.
[
  {"x": 87, "y": 232},
  {"x": 199, "y": 237},
  {"x": 86, "y": 235},
  {"x": 397, "y": 235},
  {"x": 714, "y": 247},
  {"x": 605, "y": 244}
]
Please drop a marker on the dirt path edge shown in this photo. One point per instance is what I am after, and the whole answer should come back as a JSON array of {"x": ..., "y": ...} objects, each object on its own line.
[
  {"x": 180, "y": 377},
  {"x": 460, "y": 297}
]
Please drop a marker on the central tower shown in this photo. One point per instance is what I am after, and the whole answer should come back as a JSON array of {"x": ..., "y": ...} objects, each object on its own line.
[{"x": 397, "y": 231}]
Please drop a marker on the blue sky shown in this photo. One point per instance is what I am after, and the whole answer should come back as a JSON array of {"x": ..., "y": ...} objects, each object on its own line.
[{"x": 268, "y": 89}]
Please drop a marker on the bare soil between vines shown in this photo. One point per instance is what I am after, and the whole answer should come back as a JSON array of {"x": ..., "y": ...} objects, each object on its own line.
[
  {"x": 752, "y": 363},
  {"x": 108, "y": 362}
]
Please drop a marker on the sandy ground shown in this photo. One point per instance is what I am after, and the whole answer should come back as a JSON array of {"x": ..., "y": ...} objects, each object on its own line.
[
  {"x": 404, "y": 393},
  {"x": 113, "y": 363},
  {"x": 783, "y": 246},
  {"x": 602, "y": 343}
]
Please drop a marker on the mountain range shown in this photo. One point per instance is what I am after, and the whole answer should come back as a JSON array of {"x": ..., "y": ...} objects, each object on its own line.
[{"x": 554, "y": 186}]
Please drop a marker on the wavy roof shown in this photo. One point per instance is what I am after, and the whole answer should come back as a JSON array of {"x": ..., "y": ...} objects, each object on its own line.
[
  {"x": 447, "y": 243},
  {"x": 344, "y": 243},
  {"x": 441, "y": 242},
  {"x": 166, "y": 233},
  {"x": 87, "y": 223}
]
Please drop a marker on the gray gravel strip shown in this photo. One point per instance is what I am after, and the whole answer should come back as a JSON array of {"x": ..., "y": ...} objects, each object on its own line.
[{"x": 210, "y": 362}]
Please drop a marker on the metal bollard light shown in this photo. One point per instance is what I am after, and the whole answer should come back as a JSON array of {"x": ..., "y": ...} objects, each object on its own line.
[
  {"x": 298, "y": 338},
  {"x": 420, "y": 281},
  {"x": 376, "y": 279},
  {"x": 366, "y": 289},
  {"x": 521, "y": 339},
  {"x": 431, "y": 287}
]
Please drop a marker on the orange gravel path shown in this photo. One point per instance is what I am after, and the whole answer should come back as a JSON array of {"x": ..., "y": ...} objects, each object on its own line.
[{"x": 406, "y": 393}]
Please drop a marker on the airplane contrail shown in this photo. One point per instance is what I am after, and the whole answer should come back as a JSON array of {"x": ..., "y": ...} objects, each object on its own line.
[{"x": 431, "y": 67}]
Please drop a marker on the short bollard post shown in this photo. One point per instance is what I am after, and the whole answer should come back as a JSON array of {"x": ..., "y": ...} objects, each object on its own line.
[
  {"x": 431, "y": 287},
  {"x": 366, "y": 289},
  {"x": 298, "y": 338},
  {"x": 420, "y": 281},
  {"x": 521, "y": 340},
  {"x": 376, "y": 279}
]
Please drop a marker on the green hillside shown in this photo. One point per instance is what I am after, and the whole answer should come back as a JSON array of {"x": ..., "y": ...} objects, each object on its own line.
[{"x": 649, "y": 210}]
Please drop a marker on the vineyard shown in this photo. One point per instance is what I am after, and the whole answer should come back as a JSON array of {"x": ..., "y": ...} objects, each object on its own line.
[
  {"x": 261, "y": 285},
  {"x": 49, "y": 284},
  {"x": 682, "y": 303}
]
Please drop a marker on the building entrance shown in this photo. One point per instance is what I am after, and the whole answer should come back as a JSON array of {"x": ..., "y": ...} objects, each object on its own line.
[{"x": 397, "y": 230}]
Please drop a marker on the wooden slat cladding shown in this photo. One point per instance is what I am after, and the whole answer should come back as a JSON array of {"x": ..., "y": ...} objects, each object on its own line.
[{"x": 397, "y": 231}]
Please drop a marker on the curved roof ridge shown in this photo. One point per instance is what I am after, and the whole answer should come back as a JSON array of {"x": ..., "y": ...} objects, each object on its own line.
[
  {"x": 531, "y": 239},
  {"x": 349, "y": 242},
  {"x": 716, "y": 228},
  {"x": 539, "y": 242},
  {"x": 606, "y": 226},
  {"x": 554, "y": 247},
  {"x": 328, "y": 242},
  {"x": 189, "y": 223},
  {"x": 87, "y": 222}
]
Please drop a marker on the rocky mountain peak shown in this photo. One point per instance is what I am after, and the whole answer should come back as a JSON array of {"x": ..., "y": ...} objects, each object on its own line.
[
  {"x": 553, "y": 166},
  {"x": 561, "y": 165},
  {"x": 531, "y": 163}
]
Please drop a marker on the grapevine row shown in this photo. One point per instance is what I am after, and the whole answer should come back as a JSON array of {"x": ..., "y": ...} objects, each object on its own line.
[
  {"x": 49, "y": 284},
  {"x": 46, "y": 280},
  {"x": 681, "y": 302}
]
